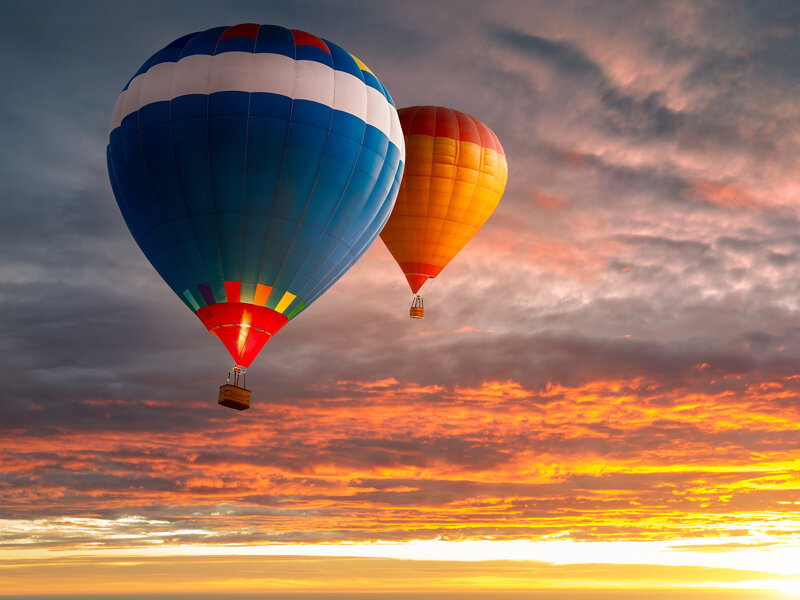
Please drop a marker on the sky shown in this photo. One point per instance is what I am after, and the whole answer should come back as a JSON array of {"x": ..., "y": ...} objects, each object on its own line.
[{"x": 603, "y": 400}]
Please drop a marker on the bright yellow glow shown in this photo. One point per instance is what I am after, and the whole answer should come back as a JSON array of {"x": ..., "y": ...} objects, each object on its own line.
[
  {"x": 722, "y": 553},
  {"x": 411, "y": 566},
  {"x": 787, "y": 587}
]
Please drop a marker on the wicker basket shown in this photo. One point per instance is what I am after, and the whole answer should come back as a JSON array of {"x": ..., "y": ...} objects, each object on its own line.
[
  {"x": 417, "y": 311},
  {"x": 235, "y": 397}
]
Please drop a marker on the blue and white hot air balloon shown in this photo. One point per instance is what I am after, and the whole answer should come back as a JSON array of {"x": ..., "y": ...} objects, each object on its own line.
[{"x": 254, "y": 165}]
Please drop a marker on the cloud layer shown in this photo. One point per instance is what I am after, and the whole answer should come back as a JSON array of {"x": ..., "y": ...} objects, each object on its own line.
[{"x": 613, "y": 357}]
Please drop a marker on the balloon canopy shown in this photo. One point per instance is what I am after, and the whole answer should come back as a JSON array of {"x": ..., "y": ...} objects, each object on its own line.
[
  {"x": 253, "y": 165},
  {"x": 454, "y": 177}
]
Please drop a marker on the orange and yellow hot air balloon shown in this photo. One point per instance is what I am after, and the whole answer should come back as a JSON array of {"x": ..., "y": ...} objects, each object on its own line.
[{"x": 455, "y": 175}]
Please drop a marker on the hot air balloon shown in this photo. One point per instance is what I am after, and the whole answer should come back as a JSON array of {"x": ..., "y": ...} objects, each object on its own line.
[
  {"x": 454, "y": 177},
  {"x": 253, "y": 165}
]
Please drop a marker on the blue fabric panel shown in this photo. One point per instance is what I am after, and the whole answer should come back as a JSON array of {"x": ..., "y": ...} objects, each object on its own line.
[
  {"x": 313, "y": 53},
  {"x": 250, "y": 271},
  {"x": 305, "y": 238},
  {"x": 300, "y": 161},
  {"x": 311, "y": 113},
  {"x": 265, "y": 154},
  {"x": 166, "y": 186},
  {"x": 290, "y": 201},
  {"x": 228, "y": 103},
  {"x": 191, "y": 253},
  {"x": 256, "y": 227},
  {"x": 275, "y": 40},
  {"x": 195, "y": 180},
  {"x": 228, "y": 199},
  {"x": 256, "y": 201},
  {"x": 371, "y": 208},
  {"x": 227, "y": 176},
  {"x": 236, "y": 44},
  {"x": 376, "y": 140},
  {"x": 308, "y": 271},
  {"x": 342, "y": 61},
  {"x": 199, "y": 203},
  {"x": 358, "y": 191},
  {"x": 305, "y": 137},
  {"x": 204, "y": 226},
  {"x": 348, "y": 126},
  {"x": 268, "y": 270},
  {"x": 227, "y": 127},
  {"x": 226, "y": 152},
  {"x": 204, "y": 42},
  {"x": 328, "y": 272},
  {"x": 232, "y": 269},
  {"x": 183, "y": 279},
  {"x": 266, "y": 140},
  {"x": 230, "y": 224},
  {"x": 209, "y": 250},
  {"x": 191, "y": 154},
  {"x": 322, "y": 204},
  {"x": 155, "y": 113},
  {"x": 157, "y": 159},
  {"x": 264, "y": 104},
  {"x": 369, "y": 163},
  {"x": 188, "y": 106},
  {"x": 198, "y": 270},
  {"x": 181, "y": 229},
  {"x": 334, "y": 171},
  {"x": 372, "y": 81},
  {"x": 215, "y": 274},
  {"x": 281, "y": 232},
  {"x": 369, "y": 235},
  {"x": 327, "y": 244}
]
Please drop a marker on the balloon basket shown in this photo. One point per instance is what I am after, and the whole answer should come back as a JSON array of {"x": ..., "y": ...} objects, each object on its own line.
[
  {"x": 233, "y": 395},
  {"x": 417, "y": 309}
]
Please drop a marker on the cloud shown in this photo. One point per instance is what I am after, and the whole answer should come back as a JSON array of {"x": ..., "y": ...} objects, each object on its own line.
[
  {"x": 719, "y": 194},
  {"x": 561, "y": 55},
  {"x": 613, "y": 356}
]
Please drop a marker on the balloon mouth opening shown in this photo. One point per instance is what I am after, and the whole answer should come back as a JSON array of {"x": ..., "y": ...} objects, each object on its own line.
[
  {"x": 243, "y": 328},
  {"x": 418, "y": 273}
]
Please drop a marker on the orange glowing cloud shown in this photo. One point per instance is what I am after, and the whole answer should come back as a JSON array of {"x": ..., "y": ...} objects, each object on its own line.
[
  {"x": 550, "y": 202},
  {"x": 583, "y": 259},
  {"x": 725, "y": 195},
  {"x": 608, "y": 459}
]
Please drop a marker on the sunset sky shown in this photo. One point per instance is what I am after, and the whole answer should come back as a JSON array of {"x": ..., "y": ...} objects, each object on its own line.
[{"x": 602, "y": 402}]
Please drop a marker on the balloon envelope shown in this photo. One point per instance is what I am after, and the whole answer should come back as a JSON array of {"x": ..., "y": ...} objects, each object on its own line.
[
  {"x": 455, "y": 175},
  {"x": 253, "y": 165}
]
